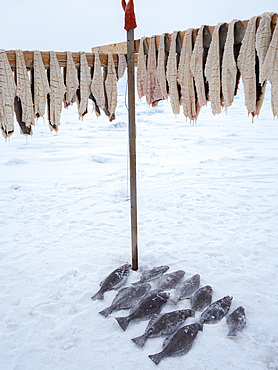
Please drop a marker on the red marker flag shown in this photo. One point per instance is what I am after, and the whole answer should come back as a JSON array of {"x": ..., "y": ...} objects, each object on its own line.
[{"x": 130, "y": 21}]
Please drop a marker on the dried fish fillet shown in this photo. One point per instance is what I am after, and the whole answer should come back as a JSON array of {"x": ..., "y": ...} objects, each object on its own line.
[
  {"x": 153, "y": 91},
  {"x": 161, "y": 66},
  {"x": 263, "y": 38},
  {"x": 97, "y": 86},
  {"x": 41, "y": 85},
  {"x": 71, "y": 81},
  {"x": 83, "y": 91},
  {"x": 197, "y": 67},
  {"x": 189, "y": 101},
  {"x": 111, "y": 87},
  {"x": 172, "y": 75},
  {"x": 213, "y": 71},
  {"x": 270, "y": 70},
  {"x": 248, "y": 66},
  {"x": 121, "y": 65},
  {"x": 57, "y": 91},
  {"x": 23, "y": 101},
  {"x": 7, "y": 95},
  {"x": 142, "y": 69}
]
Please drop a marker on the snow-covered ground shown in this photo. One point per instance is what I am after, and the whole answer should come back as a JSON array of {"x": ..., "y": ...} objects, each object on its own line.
[{"x": 207, "y": 204}]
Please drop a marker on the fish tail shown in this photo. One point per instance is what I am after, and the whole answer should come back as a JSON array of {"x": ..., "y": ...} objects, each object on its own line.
[
  {"x": 98, "y": 295},
  {"x": 106, "y": 312},
  {"x": 123, "y": 322},
  {"x": 140, "y": 341},
  {"x": 232, "y": 333},
  {"x": 156, "y": 358}
]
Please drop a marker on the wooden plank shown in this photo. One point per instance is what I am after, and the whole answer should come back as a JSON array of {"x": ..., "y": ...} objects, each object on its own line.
[{"x": 132, "y": 146}]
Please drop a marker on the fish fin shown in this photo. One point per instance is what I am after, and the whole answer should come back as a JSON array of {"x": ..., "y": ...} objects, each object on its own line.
[
  {"x": 106, "y": 312},
  {"x": 136, "y": 283},
  {"x": 174, "y": 300},
  {"x": 140, "y": 341},
  {"x": 98, "y": 295},
  {"x": 123, "y": 322},
  {"x": 153, "y": 318},
  {"x": 156, "y": 358}
]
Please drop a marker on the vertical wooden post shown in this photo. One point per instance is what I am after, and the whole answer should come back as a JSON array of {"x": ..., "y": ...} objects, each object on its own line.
[{"x": 132, "y": 145}]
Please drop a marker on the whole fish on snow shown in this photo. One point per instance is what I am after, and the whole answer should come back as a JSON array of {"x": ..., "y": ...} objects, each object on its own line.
[
  {"x": 113, "y": 280},
  {"x": 127, "y": 297},
  {"x": 186, "y": 288},
  {"x": 216, "y": 311},
  {"x": 236, "y": 321},
  {"x": 179, "y": 343},
  {"x": 147, "y": 307},
  {"x": 152, "y": 274},
  {"x": 160, "y": 325},
  {"x": 170, "y": 281},
  {"x": 201, "y": 298}
]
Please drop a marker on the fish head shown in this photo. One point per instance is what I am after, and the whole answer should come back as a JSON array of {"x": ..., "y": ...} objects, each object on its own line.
[{"x": 208, "y": 288}]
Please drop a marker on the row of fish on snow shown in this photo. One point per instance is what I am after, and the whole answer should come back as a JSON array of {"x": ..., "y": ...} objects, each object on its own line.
[{"x": 146, "y": 303}]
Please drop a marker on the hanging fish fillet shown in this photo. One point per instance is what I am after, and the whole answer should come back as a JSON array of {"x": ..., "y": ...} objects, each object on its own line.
[
  {"x": 230, "y": 71},
  {"x": 84, "y": 90},
  {"x": 270, "y": 70},
  {"x": 172, "y": 75},
  {"x": 41, "y": 85},
  {"x": 121, "y": 65},
  {"x": 97, "y": 86},
  {"x": 213, "y": 71},
  {"x": 23, "y": 103},
  {"x": 57, "y": 91},
  {"x": 111, "y": 87},
  {"x": 248, "y": 64},
  {"x": 142, "y": 69},
  {"x": 189, "y": 101},
  {"x": 263, "y": 38},
  {"x": 71, "y": 81},
  {"x": 197, "y": 67},
  {"x": 161, "y": 65},
  {"x": 153, "y": 91},
  {"x": 7, "y": 96}
]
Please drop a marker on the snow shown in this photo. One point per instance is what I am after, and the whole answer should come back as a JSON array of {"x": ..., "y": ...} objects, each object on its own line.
[{"x": 207, "y": 204}]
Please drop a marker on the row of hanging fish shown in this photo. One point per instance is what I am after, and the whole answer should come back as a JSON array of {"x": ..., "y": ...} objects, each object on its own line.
[
  {"x": 28, "y": 97},
  {"x": 191, "y": 75}
]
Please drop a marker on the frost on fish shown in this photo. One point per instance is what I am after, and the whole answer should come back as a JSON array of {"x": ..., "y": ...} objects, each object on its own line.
[
  {"x": 121, "y": 65},
  {"x": 142, "y": 68},
  {"x": 71, "y": 81},
  {"x": 7, "y": 96},
  {"x": 163, "y": 52},
  {"x": 111, "y": 88},
  {"x": 57, "y": 91},
  {"x": 216, "y": 310},
  {"x": 197, "y": 63},
  {"x": 189, "y": 101},
  {"x": 97, "y": 86},
  {"x": 152, "y": 274},
  {"x": 230, "y": 72},
  {"x": 248, "y": 64},
  {"x": 270, "y": 70},
  {"x": 263, "y": 38},
  {"x": 170, "y": 281},
  {"x": 172, "y": 75},
  {"x": 83, "y": 91},
  {"x": 40, "y": 85},
  {"x": 213, "y": 69},
  {"x": 186, "y": 289},
  {"x": 23, "y": 103},
  {"x": 153, "y": 90},
  {"x": 236, "y": 321}
]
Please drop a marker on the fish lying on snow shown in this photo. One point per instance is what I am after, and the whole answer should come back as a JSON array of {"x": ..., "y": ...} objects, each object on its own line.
[
  {"x": 127, "y": 297},
  {"x": 216, "y": 311},
  {"x": 163, "y": 325},
  {"x": 179, "y": 343},
  {"x": 186, "y": 288},
  {"x": 170, "y": 281},
  {"x": 146, "y": 308},
  {"x": 201, "y": 298},
  {"x": 236, "y": 321},
  {"x": 113, "y": 281},
  {"x": 152, "y": 274}
]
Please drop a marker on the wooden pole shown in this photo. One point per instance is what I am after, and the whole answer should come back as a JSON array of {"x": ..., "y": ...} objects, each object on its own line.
[{"x": 132, "y": 145}]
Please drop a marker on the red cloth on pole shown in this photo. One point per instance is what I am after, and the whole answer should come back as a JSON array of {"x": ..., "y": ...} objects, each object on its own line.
[{"x": 130, "y": 21}]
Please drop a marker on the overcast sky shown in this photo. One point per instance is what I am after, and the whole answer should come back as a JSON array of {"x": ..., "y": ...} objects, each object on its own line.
[{"x": 81, "y": 24}]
